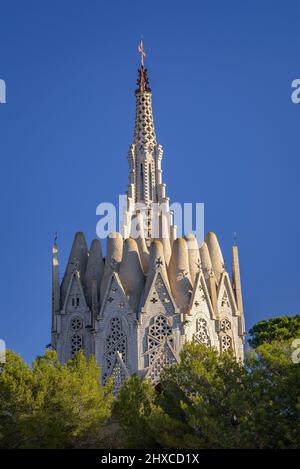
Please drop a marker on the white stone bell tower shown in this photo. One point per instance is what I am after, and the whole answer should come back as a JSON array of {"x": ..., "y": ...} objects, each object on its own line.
[{"x": 146, "y": 195}]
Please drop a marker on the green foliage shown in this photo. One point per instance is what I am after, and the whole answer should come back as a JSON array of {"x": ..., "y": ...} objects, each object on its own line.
[
  {"x": 280, "y": 328},
  {"x": 50, "y": 405},
  {"x": 134, "y": 406},
  {"x": 211, "y": 401},
  {"x": 273, "y": 397},
  {"x": 205, "y": 401}
]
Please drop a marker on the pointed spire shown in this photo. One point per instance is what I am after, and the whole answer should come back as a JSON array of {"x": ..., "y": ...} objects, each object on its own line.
[
  {"x": 157, "y": 259},
  {"x": 179, "y": 274},
  {"x": 142, "y": 246},
  {"x": 208, "y": 272},
  {"x": 131, "y": 274},
  {"x": 114, "y": 252},
  {"x": 206, "y": 264},
  {"x": 143, "y": 81},
  {"x": 215, "y": 253},
  {"x": 55, "y": 284},
  {"x": 144, "y": 158},
  {"x": 167, "y": 249},
  {"x": 194, "y": 256},
  {"x": 236, "y": 279},
  {"x": 144, "y": 133},
  {"x": 77, "y": 260},
  {"x": 94, "y": 270}
]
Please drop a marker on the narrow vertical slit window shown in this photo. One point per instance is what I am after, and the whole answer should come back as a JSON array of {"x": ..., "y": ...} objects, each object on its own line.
[
  {"x": 150, "y": 181},
  {"x": 142, "y": 183}
]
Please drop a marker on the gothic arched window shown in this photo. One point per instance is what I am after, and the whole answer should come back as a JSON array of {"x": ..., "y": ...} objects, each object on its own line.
[
  {"x": 202, "y": 335},
  {"x": 116, "y": 341},
  {"x": 225, "y": 335},
  {"x": 160, "y": 328},
  {"x": 160, "y": 347},
  {"x": 226, "y": 342},
  {"x": 158, "y": 332}
]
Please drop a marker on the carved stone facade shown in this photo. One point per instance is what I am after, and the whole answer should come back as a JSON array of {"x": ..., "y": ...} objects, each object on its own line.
[{"x": 135, "y": 308}]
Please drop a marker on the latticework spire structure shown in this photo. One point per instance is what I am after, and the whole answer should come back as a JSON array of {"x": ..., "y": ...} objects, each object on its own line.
[
  {"x": 144, "y": 133},
  {"x": 145, "y": 157}
]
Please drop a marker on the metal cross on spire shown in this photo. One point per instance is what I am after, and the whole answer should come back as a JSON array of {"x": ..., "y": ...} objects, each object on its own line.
[
  {"x": 143, "y": 81},
  {"x": 142, "y": 52}
]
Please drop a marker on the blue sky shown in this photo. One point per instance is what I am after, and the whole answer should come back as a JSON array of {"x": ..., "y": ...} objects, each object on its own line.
[{"x": 221, "y": 76}]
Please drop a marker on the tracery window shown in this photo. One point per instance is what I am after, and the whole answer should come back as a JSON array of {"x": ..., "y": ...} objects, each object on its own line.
[
  {"x": 162, "y": 359},
  {"x": 202, "y": 335},
  {"x": 160, "y": 328},
  {"x": 226, "y": 342},
  {"x": 76, "y": 344},
  {"x": 116, "y": 341},
  {"x": 225, "y": 325},
  {"x": 225, "y": 336},
  {"x": 158, "y": 332},
  {"x": 76, "y": 324}
]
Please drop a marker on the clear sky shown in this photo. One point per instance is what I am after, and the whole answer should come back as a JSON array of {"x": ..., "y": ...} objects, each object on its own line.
[{"x": 221, "y": 76}]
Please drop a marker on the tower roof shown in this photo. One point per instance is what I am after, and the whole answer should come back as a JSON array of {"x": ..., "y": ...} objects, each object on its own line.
[
  {"x": 144, "y": 133},
  {"x": 143, "y": 81}
]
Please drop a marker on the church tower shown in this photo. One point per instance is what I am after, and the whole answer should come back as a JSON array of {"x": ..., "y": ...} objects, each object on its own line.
[
  {"x": 136, "y": 307},
  {"x": 146, "y": 195}
]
